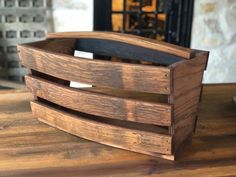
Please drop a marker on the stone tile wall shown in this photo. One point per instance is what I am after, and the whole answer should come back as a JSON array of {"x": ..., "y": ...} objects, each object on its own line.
[{"x": 71, "y": 15}]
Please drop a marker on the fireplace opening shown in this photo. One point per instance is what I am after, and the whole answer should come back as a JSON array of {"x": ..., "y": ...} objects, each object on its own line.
[{"x": 164, "y": 20}]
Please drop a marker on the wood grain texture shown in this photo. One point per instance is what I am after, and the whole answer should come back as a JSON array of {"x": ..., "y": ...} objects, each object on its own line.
[
  {"x": 97, "y": 72},
  {"x": 183, "y": 132},
  {"x": 100, "y": 104},
  {"x": 64, "y": 46},
  {"x": 181, "y": 81},
  {"x": 30, "y": 148},
  {"x": 187, "y": 83},
  {"x": 129, "y": 39},
  {"x": 186, "y": 90},
  {"x": 138, "y": 141},
  {"x": 187, "y": 75},
  {"x": 149, "y": 97}
]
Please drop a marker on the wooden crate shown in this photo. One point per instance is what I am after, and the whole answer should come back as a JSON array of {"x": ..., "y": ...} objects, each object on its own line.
[{"x": 145, "y": 101}]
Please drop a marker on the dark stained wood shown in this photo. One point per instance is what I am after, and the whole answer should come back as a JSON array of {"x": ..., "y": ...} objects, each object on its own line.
[
  {"x": 188, "y": 74},
  {"x": 54, "y": 79},
  {"x": 139, "y": 141},
  {"x": 100, "y": 104},
  {"x": 30, "y": 148},
  {"x": 149, "y": 97},
  {"x": 183, "y": 132},
  {"x": 185, "y": 95},
  {"x": 54, "y": 46},
  {"x": 126, "y": 51},
  {"x": 64, "y": 46},
  {"x": 129, "y": 39},
  {"x": 181, "y": 101},
  {"x": 196, "y": 65},
  {"x": 97, "y": 72},
  {"x": 181, "y": 82}
]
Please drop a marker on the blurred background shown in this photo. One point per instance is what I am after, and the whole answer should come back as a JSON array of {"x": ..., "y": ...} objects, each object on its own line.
[{"x": 199, "y": 24}]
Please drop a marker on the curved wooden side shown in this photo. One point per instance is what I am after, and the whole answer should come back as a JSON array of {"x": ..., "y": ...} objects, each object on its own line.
[
  {"x": 124, "y": 138},
  {"x": 100, "y": 104},
  {"x": 185, "y": 53},
  {"x": 64, "y": 46},
  {"x": 135, "y": 77}
]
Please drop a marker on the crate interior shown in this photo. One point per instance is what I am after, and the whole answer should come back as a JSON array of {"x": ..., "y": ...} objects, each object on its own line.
[{"x": 123, "y": 52}]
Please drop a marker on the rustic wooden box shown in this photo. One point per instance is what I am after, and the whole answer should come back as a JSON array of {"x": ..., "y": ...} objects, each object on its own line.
[{"x": 145, "y": 100}]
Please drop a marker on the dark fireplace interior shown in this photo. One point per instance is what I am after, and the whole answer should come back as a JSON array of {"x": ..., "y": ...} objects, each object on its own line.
[{"x": 165, "y": 20}]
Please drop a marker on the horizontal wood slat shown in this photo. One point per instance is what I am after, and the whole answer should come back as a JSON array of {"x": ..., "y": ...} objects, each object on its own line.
[
  {"x": 129, "y": 39},
  {"x": 100, "y": 104},
  {"x": 181, "y": 100},
  {"x": 185, "y": 84},
  {"x": 138, "y": 141},
  {"x": 97, "y": 72},
  {"x": 187, "y": 75},
  {"x": 183, "y": 132},
  {"x": 188, "y": 67}
]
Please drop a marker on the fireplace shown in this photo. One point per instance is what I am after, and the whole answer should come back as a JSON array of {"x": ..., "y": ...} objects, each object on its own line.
[{"x": 166, "y": 20}]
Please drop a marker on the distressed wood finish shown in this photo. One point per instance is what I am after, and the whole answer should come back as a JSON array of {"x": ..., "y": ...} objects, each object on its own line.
[
  {"x": 187, "y": 85},
  {"x": 139, "y": 107},
  {"x": 97, "y": 72},
  {"x": 187, "y": 72},
  {"x": 139, "y": 141},
  {"x": 30, "y": 148},
  {"x": 94, "y": 103}
]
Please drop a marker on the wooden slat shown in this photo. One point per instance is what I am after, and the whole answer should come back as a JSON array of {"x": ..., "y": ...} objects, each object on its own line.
[
  {"x": 183, "y": 132},
  {"x": 97, "y": 72},
  {"x": 184, "y": 119},
  {"x": 187, "y": 75},
  {"x": 138, "y": 141},
  {"x": 181, "y": 100},
  {"x": 129, "y": 39},
  {"x": 195, "y": 65},
  {"x": 100, "y": 104},
  {"x": 65, "y": 46},
  {"x": 186, "y": 90},
  {"x": 187, "y": 83}
]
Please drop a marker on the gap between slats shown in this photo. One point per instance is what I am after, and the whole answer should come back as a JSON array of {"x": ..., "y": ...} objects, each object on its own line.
[{"x": 101, "y": 104}]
